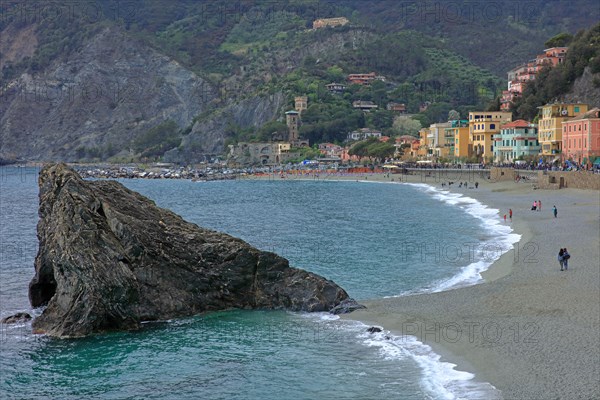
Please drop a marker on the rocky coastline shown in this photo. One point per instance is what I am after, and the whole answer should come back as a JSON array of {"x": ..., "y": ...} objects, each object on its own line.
[{"x": 110, "y": 259}]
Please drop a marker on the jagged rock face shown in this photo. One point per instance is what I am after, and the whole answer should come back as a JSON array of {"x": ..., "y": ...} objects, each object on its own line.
[
  {"x": 109, "y": 259},
  {"x": 584, "y": 90},
  {"x": 208, "y": 136},
  {"x": 107, "y": 94}
]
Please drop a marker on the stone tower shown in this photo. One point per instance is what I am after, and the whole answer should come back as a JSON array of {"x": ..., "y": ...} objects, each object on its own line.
[
  {"x": 300, "y": 103},
  {"x": 292, "y": 119}
]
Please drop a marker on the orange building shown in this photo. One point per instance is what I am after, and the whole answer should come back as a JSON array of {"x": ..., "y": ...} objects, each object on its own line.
[
  {"x": 581, "y": 137},
  {"x": 364, "y": 79}
]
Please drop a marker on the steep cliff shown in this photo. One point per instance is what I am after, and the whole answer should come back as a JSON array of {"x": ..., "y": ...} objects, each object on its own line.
[
  {"x": 109, "y": 259},
  {"x": 100, "y": 98},
  {"x": 586, "y": 89}
]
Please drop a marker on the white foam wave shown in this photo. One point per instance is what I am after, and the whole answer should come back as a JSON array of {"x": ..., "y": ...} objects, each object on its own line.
[
  {"x": 500, "y": 238},
  {"x": 440, "y": 379}
]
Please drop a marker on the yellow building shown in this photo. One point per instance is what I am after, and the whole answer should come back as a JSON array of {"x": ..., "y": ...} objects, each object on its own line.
[
  {"x": 457, "y": 139},
  {"x": 482, "y": 127},
  {"x": 550, "y": 125},
  {"x": 423, "y": 143}
]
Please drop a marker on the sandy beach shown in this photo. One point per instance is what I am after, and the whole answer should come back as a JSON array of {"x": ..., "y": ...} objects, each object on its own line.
[{"x": 529, "y": 329}]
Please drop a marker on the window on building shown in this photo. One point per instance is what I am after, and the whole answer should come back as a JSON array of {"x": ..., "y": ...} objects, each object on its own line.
[
  {"x": 492, "y": 126},
  {"x": 576, "y": 108},
  {"x": 526, "y": 143}
]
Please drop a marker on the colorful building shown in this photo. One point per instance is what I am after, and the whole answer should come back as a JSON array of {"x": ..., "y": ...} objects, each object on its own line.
[
  {"x": 437, "y": 140},
  {"x": 516, "y": 140},
  {"x": 330, "y": 150},
  {"x": 482, "y": 127},
  {"x": 423, "y": 144},
  {"x": 363, "y": 133},
  {"x": 581, "y": 137},
  {"x": 364, "y": 79},
  {"x": 550, "y": 125},
  {"x": 458, "y": 132},
  {"x": 551, "y": 57},
  {"x": 521, "y": 75}
]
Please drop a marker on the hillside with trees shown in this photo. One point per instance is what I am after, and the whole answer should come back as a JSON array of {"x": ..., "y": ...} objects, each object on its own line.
[
  {"x": 552, "y": 84},
  {"x": 228, "y": 70}
]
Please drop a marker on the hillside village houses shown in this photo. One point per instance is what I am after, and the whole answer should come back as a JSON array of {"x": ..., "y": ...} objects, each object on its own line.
[
  {"x": 365, "y": 79},
  {"x": 279, "y": 150},
  {"x": 336, "y": 88},
  {"x": 365, "y": 106},
  {"x": 519, "y": 76},
  {"x": 363, "y": 133},
  {"x": 561, "y": 132},
  {"x": 396, "y": 107}
]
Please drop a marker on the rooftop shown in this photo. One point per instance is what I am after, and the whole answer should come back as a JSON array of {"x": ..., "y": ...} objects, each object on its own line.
[
  {"x": 520, "y": 123},
  {"x": 593, "y": 113}
]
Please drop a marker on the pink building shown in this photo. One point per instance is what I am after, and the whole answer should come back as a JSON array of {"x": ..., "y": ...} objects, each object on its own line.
[
  {"x": 581, "y": 137},
  {"x": 519, "y": 76},
  {"x": 552, "y": 56}
]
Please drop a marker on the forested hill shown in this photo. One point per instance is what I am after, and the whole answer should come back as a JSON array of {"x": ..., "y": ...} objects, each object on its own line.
[{"x": 129, "y": 79}]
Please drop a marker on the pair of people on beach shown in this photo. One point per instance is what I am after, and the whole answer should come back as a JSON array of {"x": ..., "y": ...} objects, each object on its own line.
[
  {"x": 537, "y": 205},
  {"x": 563, "y": 259}
]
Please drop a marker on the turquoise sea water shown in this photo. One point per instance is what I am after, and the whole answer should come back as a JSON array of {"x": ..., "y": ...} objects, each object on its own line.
[{"x": 374, "y": 240}]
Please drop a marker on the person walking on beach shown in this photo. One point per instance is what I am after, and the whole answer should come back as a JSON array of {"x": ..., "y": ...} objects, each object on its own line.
[
  {"x": 539, "y": 205},
  {"x": 561, "y": 259},
  {"x": 566, "y": 257},
  {"x": 510, "y": 214},
  {"x": 554, "y": 211},
  {"x": 534, "y": 206},
  {"x": 504, "y": 218}
]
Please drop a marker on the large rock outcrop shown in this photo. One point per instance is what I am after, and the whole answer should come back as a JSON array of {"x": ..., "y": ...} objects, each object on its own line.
[{"x": 109, "y": 259}]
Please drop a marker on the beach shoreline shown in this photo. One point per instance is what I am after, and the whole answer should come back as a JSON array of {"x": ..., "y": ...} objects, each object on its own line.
[
  {"x": 529, "y": 329},
  {"x": 526, "y": 329}
]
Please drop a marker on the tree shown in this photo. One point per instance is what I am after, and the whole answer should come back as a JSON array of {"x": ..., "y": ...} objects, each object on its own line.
[
  {"x": 381, "y": 150},
  {"x": 380, "y": 119},
  {"x": 265, "y": 133},
  {"x": 560, "y": 40},
  {"x": 406, "y": 126}
]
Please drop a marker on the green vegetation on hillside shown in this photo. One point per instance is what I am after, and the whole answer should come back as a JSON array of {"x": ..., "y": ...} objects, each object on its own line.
[
  {"x": 372, "y": 148},
  {"x": 552, "y": 83}
]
